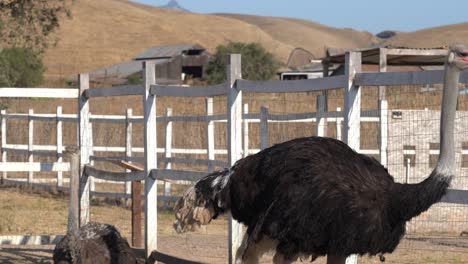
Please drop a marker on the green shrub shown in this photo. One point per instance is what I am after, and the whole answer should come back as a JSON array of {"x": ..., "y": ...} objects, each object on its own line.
[{"x": 20, "y": 67}]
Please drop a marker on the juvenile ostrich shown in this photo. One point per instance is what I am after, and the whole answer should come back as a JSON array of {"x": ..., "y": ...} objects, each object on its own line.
[
  {"x": 93, "y": 242},
  {"x": 315, "y": 196}
]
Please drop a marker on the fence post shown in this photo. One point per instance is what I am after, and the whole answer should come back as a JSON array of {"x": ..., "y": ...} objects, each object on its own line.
[
  {"x": 246, "y": 131},
  {"x": 383, "y": 140},
  {"x": 128, "y": 149},
  {"x": 352, "y": 101},
  {"x": 84, "y": 140},
  {"x": 151, "y": 162},
  {"x": 59, "y": 145},
  {"x": 4, "y": 153},
  {"x": 339, "y": 125},
  {"x": 30, "y": 145},
  {"x": 168, "y": 151},
  {"x": 234, "y": 128},
  {"x": 210, "y": 145},
  {"x": 264, "y": 135},
  {"x": 320, "y": 123},
  {"x": 408, "y": 170},
  {"x": 74, "y": 209},
  {"x": 352, "y": 111},
  {"x": 91, "y": 180}
]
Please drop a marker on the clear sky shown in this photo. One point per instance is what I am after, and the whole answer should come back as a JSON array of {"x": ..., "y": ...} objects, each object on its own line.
[{"x": 371, "y": 15}]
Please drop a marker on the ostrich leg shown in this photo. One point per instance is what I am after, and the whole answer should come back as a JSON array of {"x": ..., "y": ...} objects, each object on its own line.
[{"x": 336, "y": 259}]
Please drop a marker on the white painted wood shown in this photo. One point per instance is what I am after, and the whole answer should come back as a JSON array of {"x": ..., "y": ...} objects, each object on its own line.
[
  {"x": 210, "y": 139},
  {"x": 4, "y": 142},
  {"x": 401, "y": 78},
  {"x": 352, "y": 102},
  {"x": 84, "y": 140},
  {"x": 124, "y": 90},
  {"x": 339, "y": 126},
  {"x": 320, "y": 123},
  {"x": 417, "y": 52},
  {"x": 408, "y": 170},
  {"x": 352, "y": 110},
  {"x": 382, "y": 68},
  {"x": 30, "y": 145},
  {"x": 91, "y": 180},
  {"x": 39, "y": 92},
  {"x": 59, "y": 141},
  {"x": 192, "y": 118},
  {"x": 264, "y": 134},
  {"x": 383, "y": 139},
  {"x": 291, "y": 86},
  {"x": 246, "y": 131},
  {"x": 30, "y": 240},
  {"x": 168, "y": 151},
  {"x": 34, "y": 166},
  {"x": 151, "y": 162},
  {"x": 128, "y": 148},
  {"x": 234, "y": 128},
  {"x": 190, "y": 91}
]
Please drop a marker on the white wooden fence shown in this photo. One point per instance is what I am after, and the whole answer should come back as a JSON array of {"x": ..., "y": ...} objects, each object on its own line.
[{"x": 350, "y": 118}]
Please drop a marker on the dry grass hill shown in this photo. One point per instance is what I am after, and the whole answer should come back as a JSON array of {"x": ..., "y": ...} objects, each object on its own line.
[{"x": 106, "y": 32}]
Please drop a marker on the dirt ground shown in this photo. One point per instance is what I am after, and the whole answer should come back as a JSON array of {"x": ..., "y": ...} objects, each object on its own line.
[{"x": 208, "y": 245}]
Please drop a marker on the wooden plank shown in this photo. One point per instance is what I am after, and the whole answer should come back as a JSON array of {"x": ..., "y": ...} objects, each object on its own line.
[
  {"x": 456, "y": 197},
  {"x": 114, "y": 176},
  {"x": 417, "y": 52},
  {"x": 151, "y": 160},
  {"x": 74, "y": 209},
  {"x": 399, "y": 78},
  {"x": 210, "y": 138},
  {"x": 137, "y": 238},
  {"x": 30, "y": 145},
  {"x": 168, "y": 150},
  {"x": 124, "y": 90},
  {"x": 246, "y": 131},
  {"x": 208, "y": 118},
  {"x": 234, "y": 130},
  {"x": 85, "y": 146},
  {"x": 352, "y": 101},
  {"x": 264, "y": 135},
  {"x": 39, "y": 92},
  {"x": 382, "y": 68},
  {"x": 4, "y": 142},
  {"x": 190, "y": 91},
  {"x": 59, "y": 140},
  {"x": 178, "y": 175},
  {"x": 383, "y": 135},
  {"x": 292, "y": 86},
  {"x": 339, "y": 125},
  {"x": 35, "y": 166},
  {"x": 217, "y": 163},
  {"x": 128, "y": 149},
  {"x": 320, "y": 123}
]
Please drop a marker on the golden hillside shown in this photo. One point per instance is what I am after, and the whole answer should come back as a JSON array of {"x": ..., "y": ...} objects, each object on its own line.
[
  {"x": 432, "y": 37},
  {"x": 105, "y": 32},
  {"x": 311, "y": 36}
]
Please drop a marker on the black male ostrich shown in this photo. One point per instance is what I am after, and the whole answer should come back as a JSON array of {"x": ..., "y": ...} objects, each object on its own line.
[{"x": 316, "y": 196}]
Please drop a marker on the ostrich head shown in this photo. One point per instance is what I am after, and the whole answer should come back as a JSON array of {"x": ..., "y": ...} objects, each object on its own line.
[
  {"x": 192, "y": 210},
  {"x": 202, "y": 202},
  {"x": 458, "y": 56}
]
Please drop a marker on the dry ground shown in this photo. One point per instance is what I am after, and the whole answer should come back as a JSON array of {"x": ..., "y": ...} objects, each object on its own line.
[{"x": 25, "y": 212}]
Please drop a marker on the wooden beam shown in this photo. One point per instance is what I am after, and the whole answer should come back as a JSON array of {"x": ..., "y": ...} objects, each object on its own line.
[
  {"x": 193, "y": 91},
  {"x": 125, "y": 90},
  {"x": 234, "y": 128},
  {"x": 84, "y": 140},
  {"x": 39, "y": 92},
  {"x": 151, "y": 160},
  {"x": 264, "y": 135},
  {"x": 114, "y": 176},
  {"x": 382, "y": 68},
  {"x": 417, "y": 52},
  {"x": 74, "y": 209},
  {"x": 293, "y": 86}
]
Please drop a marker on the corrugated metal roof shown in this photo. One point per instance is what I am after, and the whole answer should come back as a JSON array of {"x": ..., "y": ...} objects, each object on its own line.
[
  {"x": 432, "y": 56},
  {"x": 124, "y": 69},
  {"x": 166, "y": 51}
]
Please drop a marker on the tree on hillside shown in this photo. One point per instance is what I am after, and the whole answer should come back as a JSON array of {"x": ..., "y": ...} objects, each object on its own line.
[
  {"x": 30, "y": 23},
  {"x": 257, "y": 63},
  {"x": 20, "y": 67}
]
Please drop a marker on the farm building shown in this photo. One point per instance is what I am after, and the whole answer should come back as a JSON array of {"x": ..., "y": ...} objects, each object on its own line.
[{"x": 174, "y": 65}]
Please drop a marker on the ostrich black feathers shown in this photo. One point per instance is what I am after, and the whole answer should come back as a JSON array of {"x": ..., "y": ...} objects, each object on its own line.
[
  {"x": 317, "y": 196},
  {"x": 94, "y": 243}
]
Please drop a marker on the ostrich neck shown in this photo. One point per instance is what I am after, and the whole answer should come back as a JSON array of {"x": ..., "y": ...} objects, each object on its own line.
[
  {"x": 412, "y": 199},
  {"x": 446, "y": 163}
]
